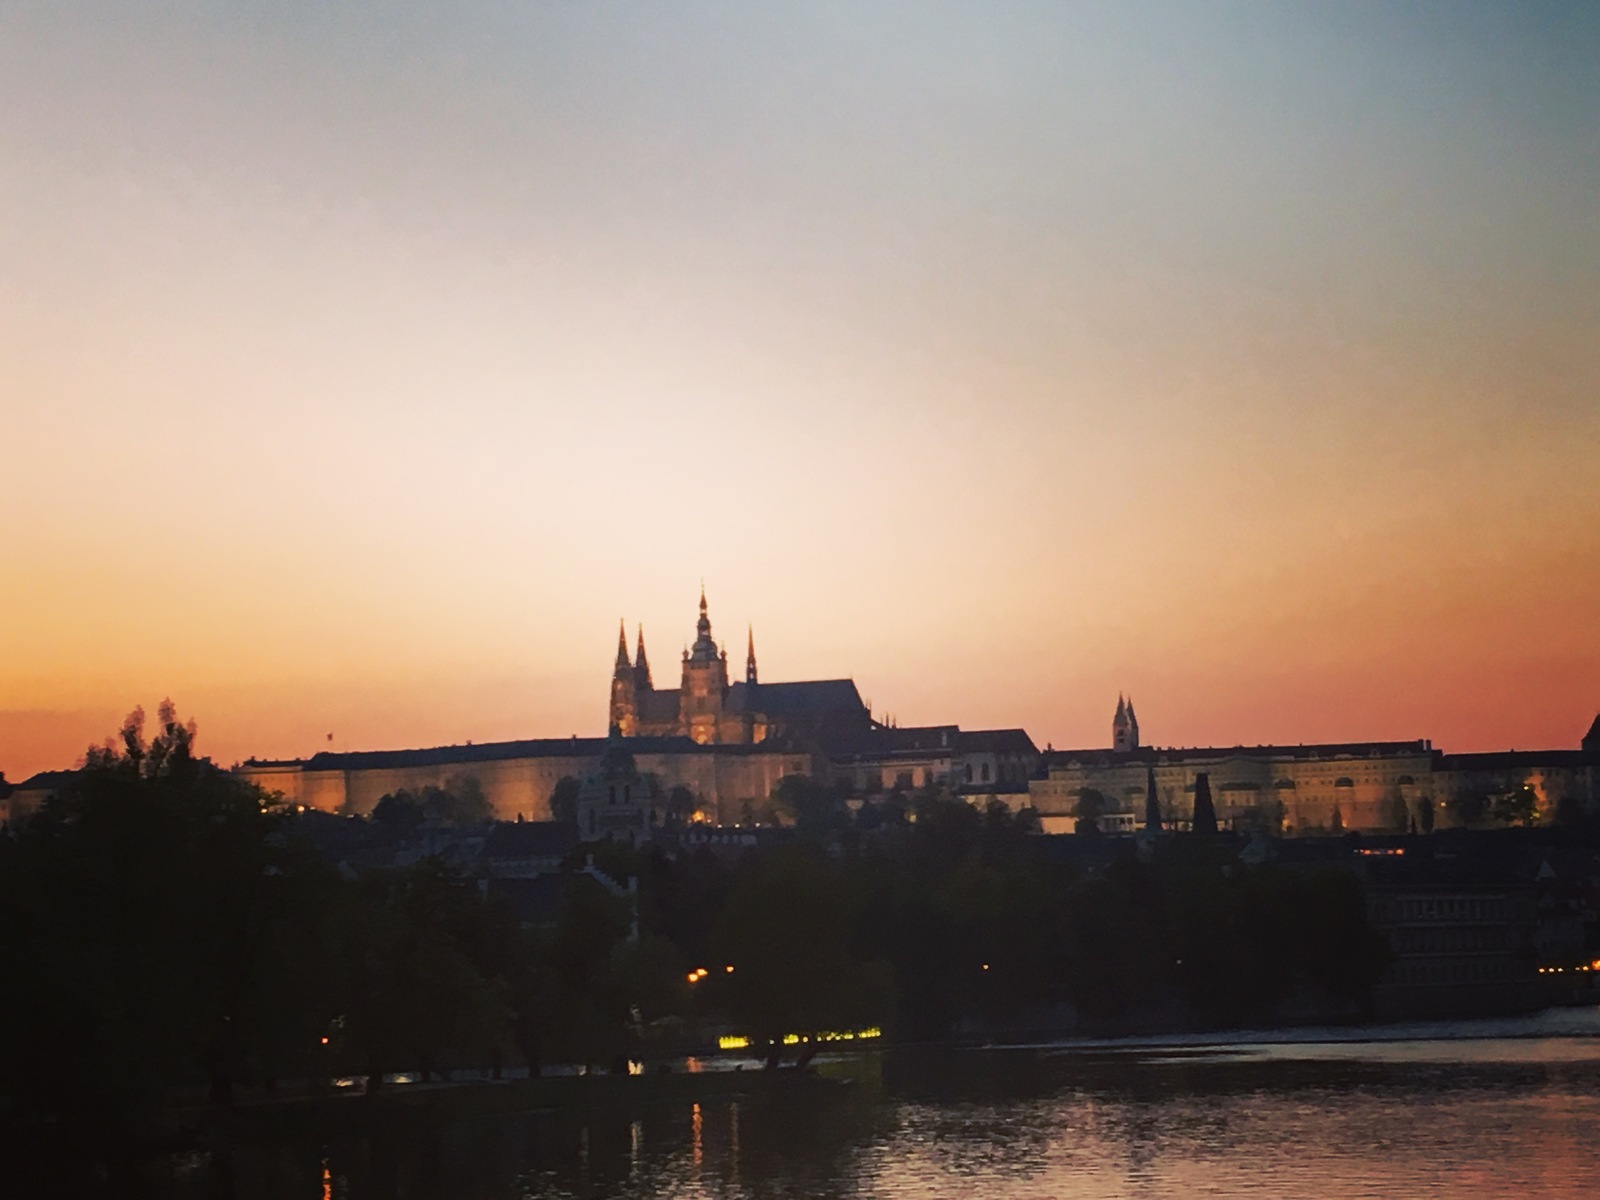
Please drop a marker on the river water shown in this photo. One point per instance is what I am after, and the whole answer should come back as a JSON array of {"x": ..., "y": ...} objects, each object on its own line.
[{"x": 1474, "y": 1118}]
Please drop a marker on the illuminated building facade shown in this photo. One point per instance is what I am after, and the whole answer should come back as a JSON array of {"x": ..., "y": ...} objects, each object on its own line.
[
  {"x": 1323, "y": 788},
  {"x": 710, "y": 710}
]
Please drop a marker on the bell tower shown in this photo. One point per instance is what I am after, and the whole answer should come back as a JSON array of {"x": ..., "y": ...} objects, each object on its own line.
[
  {"x": 705, "y": 683},
  {"x": 1124, "y": 727}
]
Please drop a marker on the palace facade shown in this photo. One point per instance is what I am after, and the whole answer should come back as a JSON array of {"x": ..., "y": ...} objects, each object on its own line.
[{"x": 1322, "y": 788}]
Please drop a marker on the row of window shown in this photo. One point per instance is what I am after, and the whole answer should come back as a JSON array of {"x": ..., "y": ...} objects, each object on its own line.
[
  {"x": 1450, "y": 940},
  {"x": 1442, "y": 908},
  {"x": 1434, "y": 973}
]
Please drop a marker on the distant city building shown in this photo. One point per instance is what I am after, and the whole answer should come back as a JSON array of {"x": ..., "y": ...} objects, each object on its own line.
[
  {"x": 1318, "y": 788},
  {"x": 727, "y": 744}
]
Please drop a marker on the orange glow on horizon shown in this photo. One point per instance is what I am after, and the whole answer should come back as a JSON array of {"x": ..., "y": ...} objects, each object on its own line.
[{"x": 1002, "y": 367}]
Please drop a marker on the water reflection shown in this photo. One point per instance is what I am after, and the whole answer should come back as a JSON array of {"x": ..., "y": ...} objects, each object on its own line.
[{"x": 1339, "y": 1122}]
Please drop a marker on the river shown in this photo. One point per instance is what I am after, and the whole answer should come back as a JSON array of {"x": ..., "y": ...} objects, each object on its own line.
[{"x": 1458, "y": 1118}]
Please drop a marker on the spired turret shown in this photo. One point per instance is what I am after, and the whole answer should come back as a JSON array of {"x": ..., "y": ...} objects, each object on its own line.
[
  {"x": 641, "y": 666},
  {"x": 750, "y": 658},
  {"x": 704, "y": 648},
  {"x": 624, "y": 720}
]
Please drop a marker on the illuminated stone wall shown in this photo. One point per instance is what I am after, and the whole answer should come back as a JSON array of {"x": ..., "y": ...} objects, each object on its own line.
[
  {"x": 724, "y": 783},
  {"x": 1368, "y": 791}
]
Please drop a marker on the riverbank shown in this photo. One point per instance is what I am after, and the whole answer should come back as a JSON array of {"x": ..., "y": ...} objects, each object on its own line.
[
  {"x": 1548, "y": 1023},
  {"x": 351, "y": 1111}
]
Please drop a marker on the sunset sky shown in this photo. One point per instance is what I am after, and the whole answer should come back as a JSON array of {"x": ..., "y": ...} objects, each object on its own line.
[{"x": 362, "y": 364}]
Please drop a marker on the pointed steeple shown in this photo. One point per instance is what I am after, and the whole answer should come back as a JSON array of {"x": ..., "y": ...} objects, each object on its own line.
[
  {"x": 641, "y": 665},
  {"x": 622, "y": 647},
  {"x": 1152, "y": 805},
  {"x": 750, "y": 658}
]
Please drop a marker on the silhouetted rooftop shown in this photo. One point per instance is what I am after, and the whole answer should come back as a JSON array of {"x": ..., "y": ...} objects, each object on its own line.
[
  {"x": 46, "y": 781},
  {"x": 590, "y": 747},
  {"x": 1160, "y": 754},
  {"x": 996, "y": 741},
  {"x": 808, "y": 698},
  {"x": 1500, "y": 760}
]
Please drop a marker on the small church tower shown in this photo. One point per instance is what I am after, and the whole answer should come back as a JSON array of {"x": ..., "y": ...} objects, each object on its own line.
[
  {"x": 750, "y": 658},
  {"x": 625, "y": 687},
  {"x": 1124, "y": 727}
]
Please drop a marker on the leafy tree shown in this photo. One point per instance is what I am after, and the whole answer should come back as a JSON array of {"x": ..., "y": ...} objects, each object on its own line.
[
  {"x": 399, "y": 810},
  {"x": 1399, "y": 813},
  {"x": 1471, "y": 806},
  {"x": 784, "y": 930},
  {"x": 809, "y": 805},
  {"x": 411, "y": 988},
  {"x": 564, "y": 800},
  {"x": 1091, "y": 806},
  {"x": 461, "y": 802},
  {"x": 1517, "y": 807},
  {"x": 1425, "y": 815},
  {"x": 681, "y": 804},
  {"x": 141, "y": 918}
]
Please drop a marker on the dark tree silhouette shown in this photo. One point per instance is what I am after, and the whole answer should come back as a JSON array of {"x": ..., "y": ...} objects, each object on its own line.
[{"x": 1205, "y": 814}]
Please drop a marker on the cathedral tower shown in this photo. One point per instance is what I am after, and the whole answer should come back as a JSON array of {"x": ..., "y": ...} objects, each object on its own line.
[
  {"x": 750, "y": 658},
  {"x": 705, "y": 683},
  {"x": 625, "y": 688}
]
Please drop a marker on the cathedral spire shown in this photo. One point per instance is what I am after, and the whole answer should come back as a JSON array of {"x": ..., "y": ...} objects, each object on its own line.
[
  {"x": 641, "y": 665},
  {"x": 750, "y": 658},
  {"x": 705, "y": 650},
  {"x": 622, "y": 647}
]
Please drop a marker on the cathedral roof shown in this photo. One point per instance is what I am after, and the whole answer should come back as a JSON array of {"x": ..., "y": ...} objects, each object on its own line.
[
  {"x": 1591, "y": 740},
  {"x": 808, "y": 698},
  {"x": 657, "y": 705}
]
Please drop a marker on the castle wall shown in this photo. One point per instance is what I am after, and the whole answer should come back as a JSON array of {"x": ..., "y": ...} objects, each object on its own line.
[
  {"x": 1304, "y": 793},
  {"x": 514, "y": 787}
]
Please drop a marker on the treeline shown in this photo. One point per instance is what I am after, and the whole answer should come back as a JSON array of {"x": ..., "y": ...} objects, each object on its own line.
[
  {"x": 165, "y": 940},
  {"x": 164, "y": 937}
]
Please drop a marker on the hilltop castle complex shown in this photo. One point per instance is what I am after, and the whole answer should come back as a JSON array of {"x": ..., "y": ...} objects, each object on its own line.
[{"x": 725, "y": 744}]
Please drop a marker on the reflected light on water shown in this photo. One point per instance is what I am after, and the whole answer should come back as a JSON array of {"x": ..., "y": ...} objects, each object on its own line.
[{"x": 1501, "y": 1118}]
